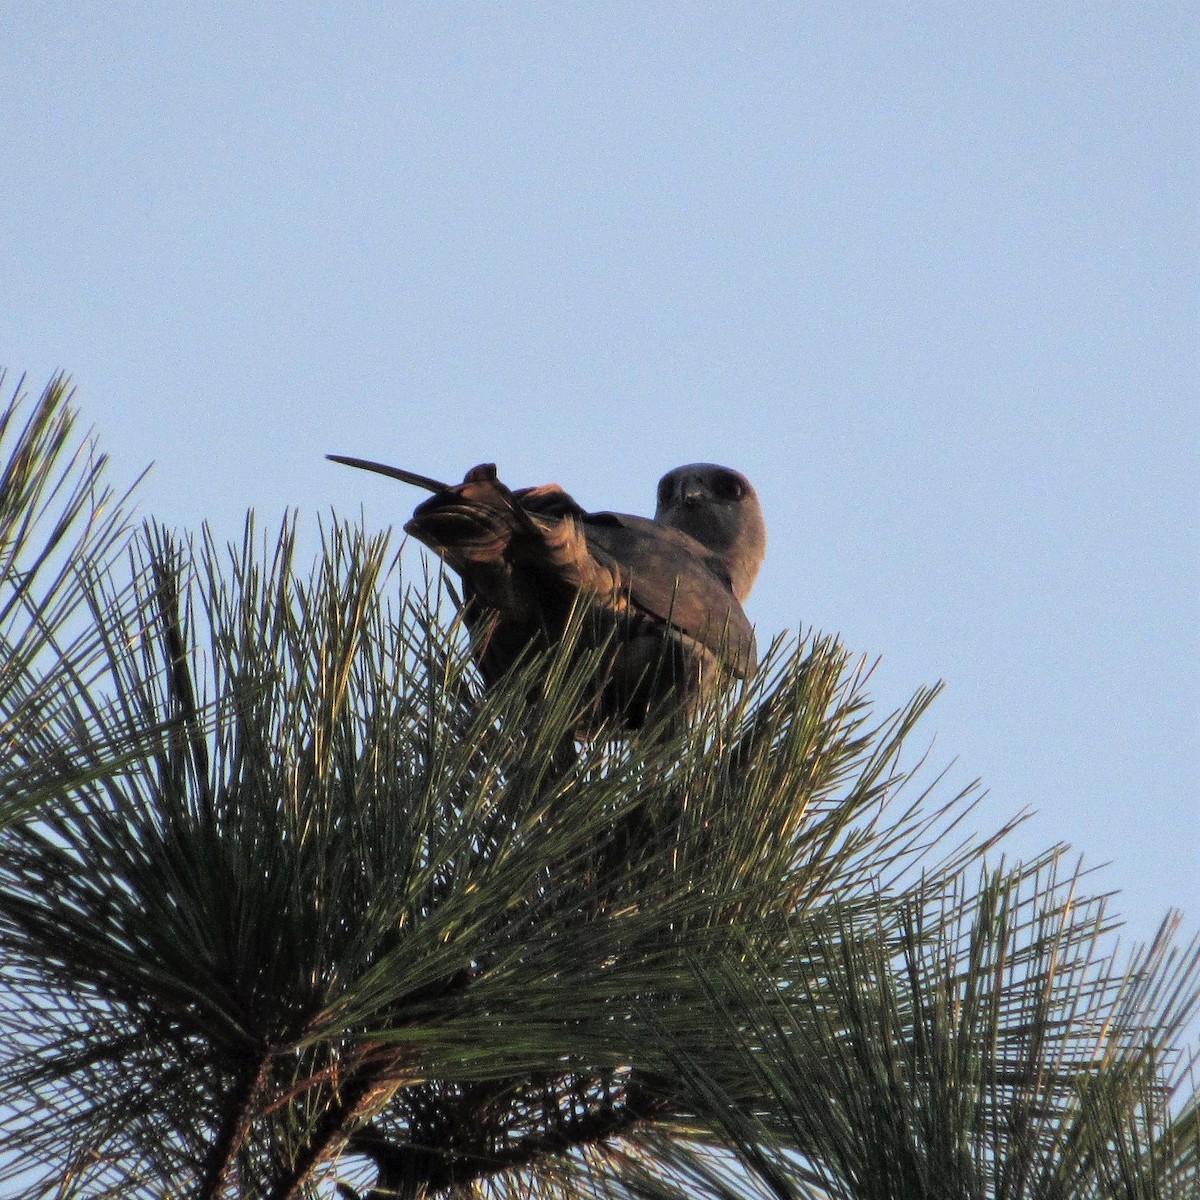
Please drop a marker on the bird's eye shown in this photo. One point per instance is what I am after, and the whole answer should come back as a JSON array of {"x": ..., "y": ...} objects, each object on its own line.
[
  {"x": 728, "y": 487},
  {"x": 664, "y": 491}
]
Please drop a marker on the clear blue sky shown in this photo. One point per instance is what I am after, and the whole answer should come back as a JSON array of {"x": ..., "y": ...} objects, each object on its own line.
[{"x": 927, "y": 274}]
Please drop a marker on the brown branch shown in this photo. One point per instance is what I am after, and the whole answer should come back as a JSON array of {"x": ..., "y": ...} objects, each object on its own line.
[
  {"x": 379, "y": 1070},
  {"x": 412, "y": 1171},
  {"x": 240, "y": 1112}
]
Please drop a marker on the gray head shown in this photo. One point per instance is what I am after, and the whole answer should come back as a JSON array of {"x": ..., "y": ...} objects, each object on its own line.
[{"x": 719, "y": 509}]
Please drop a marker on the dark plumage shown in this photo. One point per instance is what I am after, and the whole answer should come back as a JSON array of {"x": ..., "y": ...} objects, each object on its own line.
[{"x": 669, "y": 590}]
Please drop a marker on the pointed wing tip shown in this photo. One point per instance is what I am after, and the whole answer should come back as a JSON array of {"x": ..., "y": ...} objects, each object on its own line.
[{"x": 411, "y": 477}]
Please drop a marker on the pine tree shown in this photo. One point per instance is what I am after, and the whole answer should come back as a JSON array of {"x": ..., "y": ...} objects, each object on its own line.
[{"x": 291, "y": 907}]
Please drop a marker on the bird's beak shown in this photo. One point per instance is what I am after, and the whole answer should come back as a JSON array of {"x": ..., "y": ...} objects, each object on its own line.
[{"x": 421, "y": 481}]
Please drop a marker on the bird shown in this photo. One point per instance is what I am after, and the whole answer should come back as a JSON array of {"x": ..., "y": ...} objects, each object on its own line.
[{"x": 663, "y": 595}]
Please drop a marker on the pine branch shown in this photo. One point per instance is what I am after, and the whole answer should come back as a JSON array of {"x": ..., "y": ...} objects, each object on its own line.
[
  {"x": 411, "y": 1170},
  {"x": 377, "y": 1072},
  {"x": 311, "y": 891},
  {"x": 242, "y": 1108}
]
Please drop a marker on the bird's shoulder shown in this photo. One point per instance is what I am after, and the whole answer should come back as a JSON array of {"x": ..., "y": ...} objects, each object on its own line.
[
  {"x": 642, "y": 534},
  {"x": 674, "y": 578}
]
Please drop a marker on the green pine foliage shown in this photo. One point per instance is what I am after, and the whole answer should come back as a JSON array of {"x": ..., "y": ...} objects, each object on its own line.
[
  {"x": 291, "y": 907},
  {"x": 61, "y": 527}
]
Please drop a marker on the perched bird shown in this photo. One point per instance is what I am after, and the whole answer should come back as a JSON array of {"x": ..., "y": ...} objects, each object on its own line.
[{"x": 665, "y": 594}]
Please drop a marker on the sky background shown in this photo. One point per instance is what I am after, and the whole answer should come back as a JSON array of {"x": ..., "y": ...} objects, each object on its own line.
[{"x": 928, "y": 275}]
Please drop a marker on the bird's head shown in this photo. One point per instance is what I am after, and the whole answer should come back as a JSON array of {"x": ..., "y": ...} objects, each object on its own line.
[{"x": 719, "y": 508}]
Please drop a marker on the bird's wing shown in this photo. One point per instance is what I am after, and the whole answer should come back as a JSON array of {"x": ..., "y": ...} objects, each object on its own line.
[
  {"x": 365, "y": 464},
  {"x": 548, "y": 500},
  {"x": 669, "y": 575}
]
